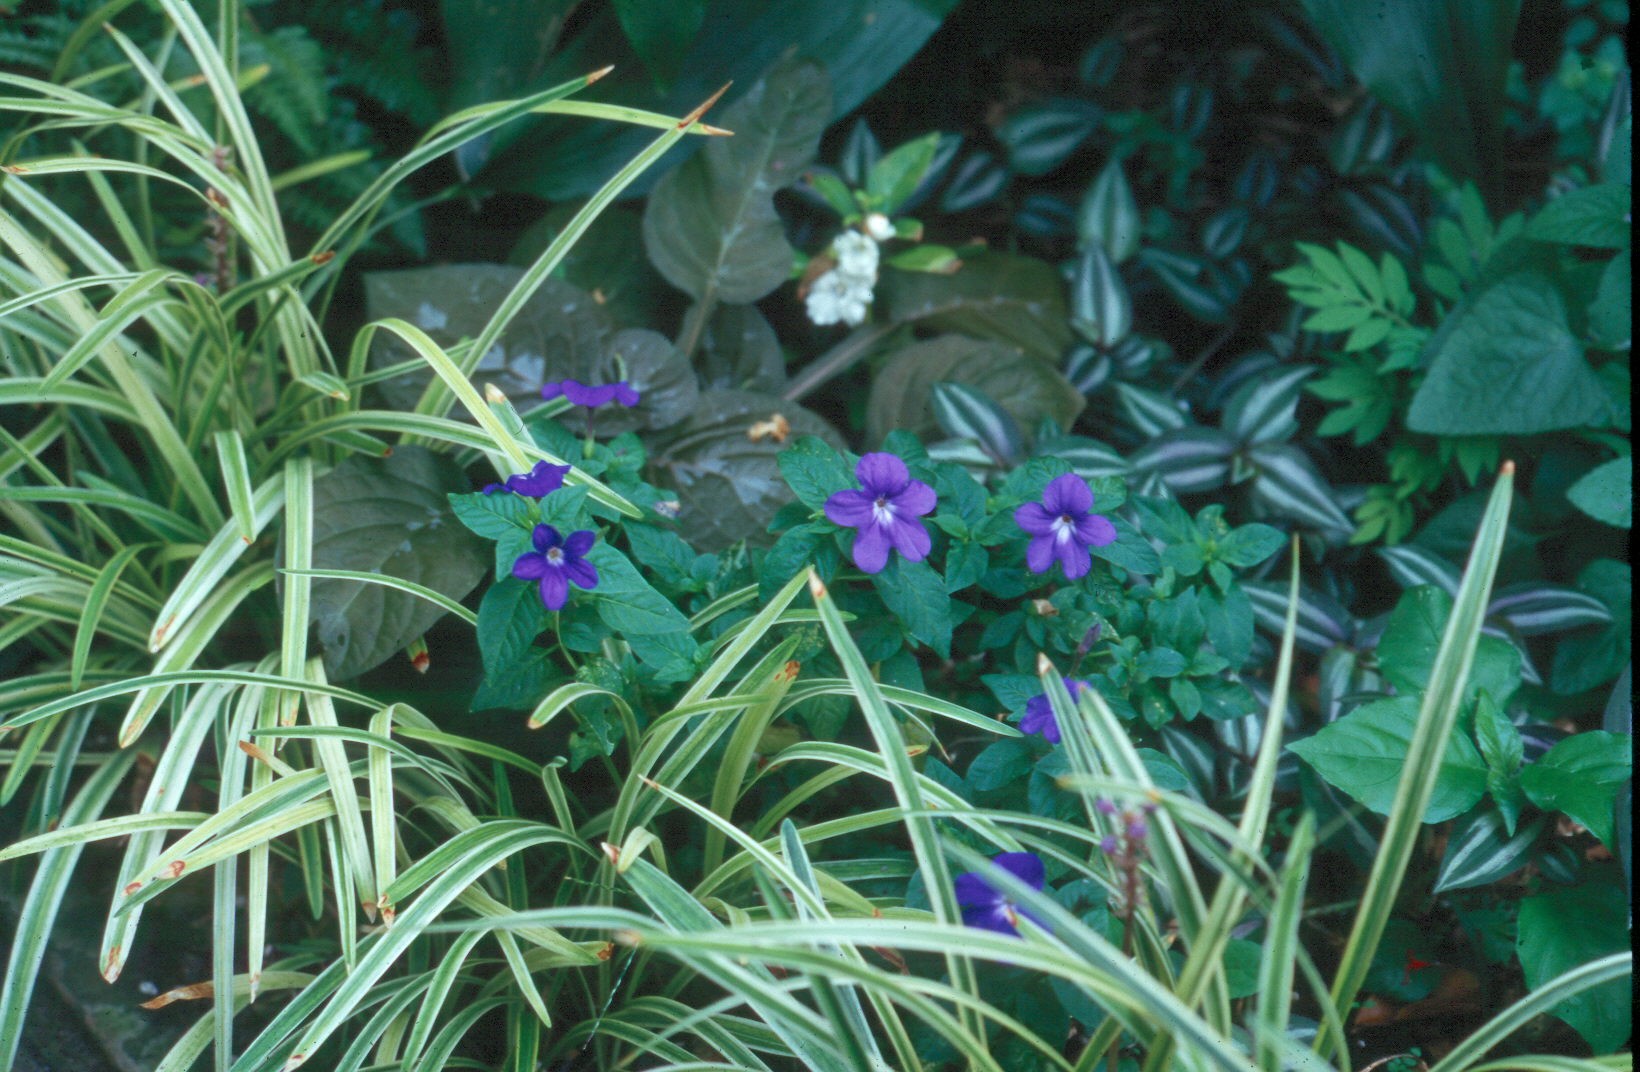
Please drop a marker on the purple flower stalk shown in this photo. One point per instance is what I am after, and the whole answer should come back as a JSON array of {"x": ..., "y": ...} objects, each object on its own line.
[
  {"x": 884, "y": 512},
  {"x": 1039, "y": 712},
  {"x": 1061, "y": 527},
  {"x": 538, "y": 483},
  {"x": 582, "y": 394},
  {"x": 984, "y": 905},
  {"x": 555, "y": 562}
]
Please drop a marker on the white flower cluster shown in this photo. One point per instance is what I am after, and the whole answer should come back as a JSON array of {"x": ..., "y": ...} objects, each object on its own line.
[{"x": 843, "y": 294}]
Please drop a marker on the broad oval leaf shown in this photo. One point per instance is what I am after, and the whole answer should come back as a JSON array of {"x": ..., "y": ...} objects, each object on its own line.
[
  {"x": 738, "y": 350},
  {"x": 710, "y": 225},
  {"x": 722, "y": 463},
  {"x": 1025, "y": 388},
  {"x": 560, "y": 330},
  {"x": 1581, "y": 776},
  {"x": 1013, "y": 299},
  {"x": 391, "y": 516},
  {"x": 1563, "y": 928}
]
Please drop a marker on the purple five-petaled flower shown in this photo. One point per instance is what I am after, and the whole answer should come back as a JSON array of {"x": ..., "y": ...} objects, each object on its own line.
[
  {"x": 555, "y": 562},
  {"x": 884, "y": 512},
  {"x": 589, "y": 395},
  {"x": 984, "y": 905},
  {"x": 538, "y": 483},
  {"x": 1039, "y": 712},
  {"x": 1061, "y": 527}
]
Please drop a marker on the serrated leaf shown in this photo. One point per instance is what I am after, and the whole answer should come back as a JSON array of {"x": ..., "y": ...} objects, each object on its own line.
[
  {"x": 1581, "y": 776},
  {"x": 1364, "y": 754}
]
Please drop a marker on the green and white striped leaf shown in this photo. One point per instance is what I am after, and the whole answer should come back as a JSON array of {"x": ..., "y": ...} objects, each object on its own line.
[
  {"x": 968, "y": 414},
  {"x": 1289, "y": 486},
  {"x": 1101, "y": 307},
  {"x": 1188, "y": 460}
]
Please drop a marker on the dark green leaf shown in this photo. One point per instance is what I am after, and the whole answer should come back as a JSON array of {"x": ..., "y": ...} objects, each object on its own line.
[
  {"x": 796, "y": 550},
  {"x": 728, "y": 482},
  {"x": 1000, "y": 764},
  {"x": 1589, "y": 658},
  {"x": 1406, "y": 651},
  {"x": 509, "y": 618},
  {"x": 657, "y": 630},
  {"x": 738, "y": 350},
  {"x": 1565, "y": 927},
  {"x": 1611, "y": 313},
  {"x": 1606, "y": 493},
  {"x": 1505, "y": 363},
  {"x": 1364, "y": 754},
  {"x": 814, "y": 470},
  {"x": 1025, "y": 388},
  {"x": 1248, "y": 545},
  {"x": 493, "y": 516},
  {"x": 1581, "y": 776},
  {"x": 392, "y": 516},
  {"x": 1590, "y": 216},
  {"x": 1483, "y": 849},
  {"x": 916, "y": 595},
  {"x": 710, "y": 226},
  {"x": 1012, "y": 299},
  {"x": 661, "y": 34}
]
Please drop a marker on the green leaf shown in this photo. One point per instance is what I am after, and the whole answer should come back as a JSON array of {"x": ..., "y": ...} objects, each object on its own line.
[
  {"x": 1606, "y": 493},
  {"x": 808, "y": 544},
  {"x": 1502, "y": 748},
  {"x": 1000, "y": 764},
  {"x": 1591, "y": 216},
  {"x": 661, "y": 33},
  {"x": 493, "y": 517},
  {"x": 893, "y": 179},
  {"x": 1012, "y": 299},
  {"x": 1581, "y": 776},
  {"x": 1565, "y": 927},
  {"x": 1025, "y": 388},
  {"x": 1505, "y": 362},
  {"x": 1440, "y": 67},
  {"x": 814, "y": 470},
  {"x": 1611, "y": 313},
  {"x": 1248, "y": 545},
  {"x": 1041, "y": 136},
  {"x": 393, "y": 516},
  {"x": 657, "y": 630},
  {"x": 916, "y": 595},
  {"x": 510, "y": 617},
  {"x": 1364, "y": 754},
  {"x": 1406, "y": 651},
  {"x": 710, "y": 226}
]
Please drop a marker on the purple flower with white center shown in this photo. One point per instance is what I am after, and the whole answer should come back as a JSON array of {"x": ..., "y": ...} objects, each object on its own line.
[
  {"x": 1039, "y": 712},
  {"x": 884, "y": 511},
  {"x": 589, "y": 395},
  {"x": 538, "y": 483},
  {"x": 555, "y": 562},
  {"x": 1061, "y": 527},
  {"x": 984, "y": 905}
]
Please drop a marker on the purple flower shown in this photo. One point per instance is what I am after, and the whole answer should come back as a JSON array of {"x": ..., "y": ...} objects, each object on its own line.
[
  {"x": 984, "y": 905},
  {"x": 884, "y": 510},
  {"x": 556, "y": 562},
  {"x": 1061, "y": 527},
  {"x": 582, "y": 394},
  {"x": 538, "y": 483},
  {"x": 1109, "y": 845},
  {"x": 1039, "y": 712},
  {"x": 1105, "y": 807},
  {"x": 1136, "y": 830}
]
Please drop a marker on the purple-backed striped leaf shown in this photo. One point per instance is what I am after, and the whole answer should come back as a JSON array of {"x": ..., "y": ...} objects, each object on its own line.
[
  {"x": 968, "y": 414},
  {"x": 1101, "y": 308},
  {"x": 1223, "y": 231},
  {"x": 1262, "y": 410},
  {"x": 1089, "y": 458},
  {"x": 1188, "y": 459},
  {"x": 1088, "y": 368},
  {"x": 1149, "y": 412},
  {"x": 1481, "y": 851},
  {"x": 1323, "y": 622},
  {"x": 978, "y": 179},
  {"x": 1135, "y": 355},
  {"x": 1109, "y": 216},
  {"x": 1193, "y": 282},
  {"x": 1412, "y": 565},
  {"x": 1289, "y": 486},
  {"x": 1040, "y": 137},
  {"x": 1536, "y": 608}
]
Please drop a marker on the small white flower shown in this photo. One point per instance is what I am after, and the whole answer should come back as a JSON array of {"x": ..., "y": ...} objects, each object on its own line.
[
  {"x": 856, "y": 257},
  {"x": 837, "y": 298},
  {"x": 879, "y": 227}
]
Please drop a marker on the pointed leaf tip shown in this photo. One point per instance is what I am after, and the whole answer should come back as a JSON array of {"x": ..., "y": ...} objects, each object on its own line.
[
  {"x": 599, "y": 73},
  {"x": 700, "y": 111}
]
